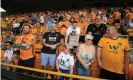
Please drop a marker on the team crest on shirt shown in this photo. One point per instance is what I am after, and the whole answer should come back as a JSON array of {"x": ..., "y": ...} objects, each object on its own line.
[
  {"x": 114, "y": 48},
  {"x": 52, "y": 38}
]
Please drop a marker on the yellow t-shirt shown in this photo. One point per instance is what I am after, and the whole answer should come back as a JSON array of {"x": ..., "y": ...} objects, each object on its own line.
[
  {"x": 4, "y": 24},
  {"x": 112, "y": 55},
  {"x": 29, "y": 39}
]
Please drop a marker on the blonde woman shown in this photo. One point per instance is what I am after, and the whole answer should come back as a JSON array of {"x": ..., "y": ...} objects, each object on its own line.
[{"x": 85, "y": 56}]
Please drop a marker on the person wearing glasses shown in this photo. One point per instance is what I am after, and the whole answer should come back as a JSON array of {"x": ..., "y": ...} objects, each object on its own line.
[
  {"x": 85, "y": 56},
  {"x": 65, "y": 63}
]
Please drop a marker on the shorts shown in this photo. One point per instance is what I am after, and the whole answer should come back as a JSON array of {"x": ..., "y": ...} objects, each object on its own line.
[
  {"x": 111, "y": 75},
  {"x": 48, "y": 59}
]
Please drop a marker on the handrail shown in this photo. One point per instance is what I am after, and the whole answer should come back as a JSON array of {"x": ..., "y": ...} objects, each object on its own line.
[{"x": 51, "y": 72}]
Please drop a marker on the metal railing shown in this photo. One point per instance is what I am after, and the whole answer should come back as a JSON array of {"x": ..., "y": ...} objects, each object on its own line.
[{"x": 51, "y": 72}]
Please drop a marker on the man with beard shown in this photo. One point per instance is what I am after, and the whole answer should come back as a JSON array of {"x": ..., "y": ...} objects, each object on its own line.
[
  {"x": 97, "y": 29},
  {"x": 25, "y": 43},
  {"x": 50, "y": 42}
]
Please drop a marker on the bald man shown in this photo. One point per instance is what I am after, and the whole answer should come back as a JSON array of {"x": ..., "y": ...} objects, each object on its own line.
[
  {"x": 97, "y": 29},
  {"x": 48, "y": 54},
  {"x": 113, "y": 54}
]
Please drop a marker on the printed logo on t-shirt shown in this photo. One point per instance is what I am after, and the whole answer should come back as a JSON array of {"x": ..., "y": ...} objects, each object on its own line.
[
  {"x": 73, "y": 33},
  {"x": 114, "y": 48},
  {"x": 52, "y": 38},
  {"x": 64, "y": 61}
]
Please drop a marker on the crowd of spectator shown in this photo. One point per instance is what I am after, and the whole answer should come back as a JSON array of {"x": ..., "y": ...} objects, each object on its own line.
[{"x": 80, "y": 31}]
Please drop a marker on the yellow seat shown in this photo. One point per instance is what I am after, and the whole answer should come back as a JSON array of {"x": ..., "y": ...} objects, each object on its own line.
[
  {"x": 63, "y": 30},
  {"x": 34, "y": 30},
  {"x": 38, "y": 46},
  {"x": 2, "y": 53},
  {"x": 130, "y": 34},
  {"x": 37, "y": 64},
  {"x": 60, "y": 48},
  {"x": 42, "y": 29},
  {"x": 16, "y": 37},
  {"x": 3, "y": 37},
  {"x": 129, "y": 30}
]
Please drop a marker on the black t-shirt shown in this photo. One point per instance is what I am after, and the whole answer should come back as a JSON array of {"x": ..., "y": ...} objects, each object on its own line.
[
  {"x": 97, "y": 31},
  {"x": 51, "y": 38}
]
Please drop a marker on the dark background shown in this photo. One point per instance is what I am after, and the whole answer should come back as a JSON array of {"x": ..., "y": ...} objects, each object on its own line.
[{"x": 40, "y": 5}]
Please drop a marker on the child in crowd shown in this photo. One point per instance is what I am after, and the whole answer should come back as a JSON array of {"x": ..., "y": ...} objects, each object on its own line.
[
  {"x": 65, "y": 63},
  {"x": 8, "y": 55}
]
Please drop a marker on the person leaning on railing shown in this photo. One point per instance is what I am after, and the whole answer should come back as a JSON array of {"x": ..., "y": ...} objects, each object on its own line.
[
  {"x": 25, "y": 43},
  {"x": 65, "y": 63}
]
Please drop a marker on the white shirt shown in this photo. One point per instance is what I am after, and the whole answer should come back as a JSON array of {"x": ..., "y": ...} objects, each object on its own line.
[
  {"x": 80, "y": 13},
  {"x": 73, "y": 34},
  {"x": 7, "y": 18},
  {"x": 65, "y": 60},
  {"x": 130, "y": 24},
  {"x": 41, "y": 19},
  {"x": 68, "y": 17},
  {"x": 72, "y": 31},
  {"x": 9, "y": 54},
  {"x": 104, "y": 19},
  {"x": 16, "y": 25}
]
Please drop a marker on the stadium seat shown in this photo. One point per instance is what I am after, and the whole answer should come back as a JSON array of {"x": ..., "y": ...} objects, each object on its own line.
[
  {"x": 130, "y": 33},
  {"x": 60, "y": 48},
  {"x": 34, "y": 30},
  {"x": 42, "y": 29},
  {"x": 129, "y": 30},
  {"x": 37, "y": 63},
  {"x": 3, "y": 37},
  {"x": 63, "y": 30},
  {"x": 2, "y": 53},
  {"x": 38, "y": 47},
  {"x": 95, "y": 70},
  {"x": 16, "y": 37}
]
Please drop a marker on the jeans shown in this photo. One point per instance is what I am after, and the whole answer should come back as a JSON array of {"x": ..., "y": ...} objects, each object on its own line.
[
  {"x": 62, "y": 77},
  {"x": 81, "y": 70}
]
